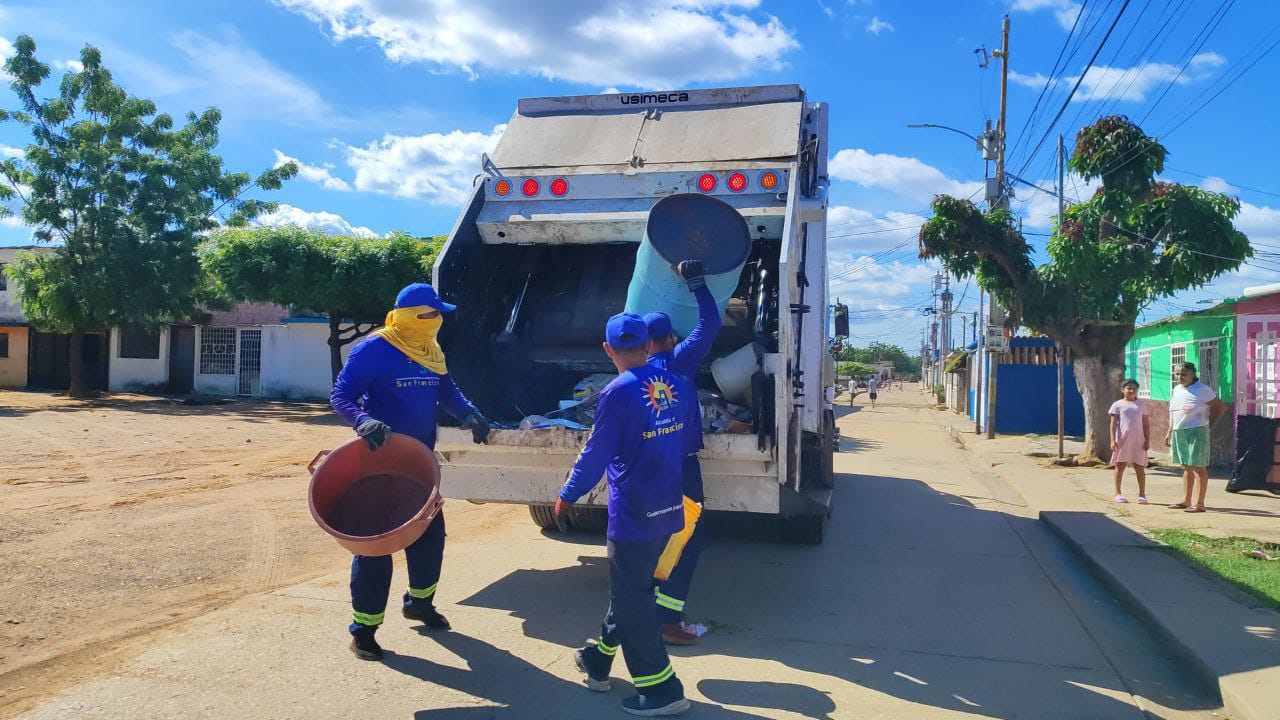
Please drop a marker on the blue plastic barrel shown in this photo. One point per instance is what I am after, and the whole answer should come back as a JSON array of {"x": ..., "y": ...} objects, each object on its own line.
[{"x": 688, "y": 227}]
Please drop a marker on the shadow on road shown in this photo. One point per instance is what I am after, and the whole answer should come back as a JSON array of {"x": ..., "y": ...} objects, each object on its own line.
[{"x": 917, "y": 595}]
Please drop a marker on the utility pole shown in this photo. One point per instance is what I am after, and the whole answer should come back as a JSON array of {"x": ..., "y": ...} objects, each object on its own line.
[
  {"x": 1002, "y": 203},
  {"x": 1062, "y": 209}
]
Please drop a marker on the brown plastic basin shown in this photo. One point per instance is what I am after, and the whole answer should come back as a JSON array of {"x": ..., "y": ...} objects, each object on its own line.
[{"x": 376, "y": 503}]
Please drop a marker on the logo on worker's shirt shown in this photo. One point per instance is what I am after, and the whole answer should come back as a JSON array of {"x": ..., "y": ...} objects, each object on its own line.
[{"x": 658, "y": 395}]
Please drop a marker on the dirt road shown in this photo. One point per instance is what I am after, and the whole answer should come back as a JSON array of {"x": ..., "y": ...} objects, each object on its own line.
[{"x": 124, "y": 515}]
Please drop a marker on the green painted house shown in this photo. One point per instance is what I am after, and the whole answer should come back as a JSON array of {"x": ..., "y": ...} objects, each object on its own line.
[{"x": 1204, "y": 337}]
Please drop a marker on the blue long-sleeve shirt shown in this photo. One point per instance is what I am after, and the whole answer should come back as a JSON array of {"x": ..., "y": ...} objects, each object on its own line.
[
  {"x": 381, "y": 382},
  {"x": 637, "y": 443},
  {"x": 683, "y": 361}
]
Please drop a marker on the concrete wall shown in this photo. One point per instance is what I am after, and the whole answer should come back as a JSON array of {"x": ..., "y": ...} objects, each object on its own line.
[
  {"x": 139, "y": 374},
  {"x": 13, "y": 369},
  {"x": 295, "y": 362}
]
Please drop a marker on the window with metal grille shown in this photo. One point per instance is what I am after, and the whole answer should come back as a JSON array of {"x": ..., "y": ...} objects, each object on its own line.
[
  {"x": 1177, "y": 356},
  {"x": 1144, "y": 373},
  {"x": 139, "y": 343},
  {"x": 4, "y": 345},
  {"x": 218, "y": 351},
  {"x": 1208, "y": 365}
]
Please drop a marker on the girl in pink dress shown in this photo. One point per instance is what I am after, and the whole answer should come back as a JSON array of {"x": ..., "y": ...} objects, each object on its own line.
[{"x": 1130, "y": 429}]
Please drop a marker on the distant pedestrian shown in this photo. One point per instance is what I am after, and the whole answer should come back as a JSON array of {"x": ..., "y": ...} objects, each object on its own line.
[
  {"x": 1130, "y": 433},
  {"x": 1193, "y": 407},
  {"x": 872, "y": 386}
]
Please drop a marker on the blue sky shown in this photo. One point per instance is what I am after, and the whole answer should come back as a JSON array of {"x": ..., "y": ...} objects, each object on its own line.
[{"x": 387, "y": 104}]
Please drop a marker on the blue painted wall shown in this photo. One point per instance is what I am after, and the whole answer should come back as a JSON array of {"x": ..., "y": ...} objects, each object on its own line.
[{"x": 1027, "y": 397}]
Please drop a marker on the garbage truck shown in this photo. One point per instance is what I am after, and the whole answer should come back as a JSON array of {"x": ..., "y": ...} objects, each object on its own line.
[{"x": 546, "y": 249}]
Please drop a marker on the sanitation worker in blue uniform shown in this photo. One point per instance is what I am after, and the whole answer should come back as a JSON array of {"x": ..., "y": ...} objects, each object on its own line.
[
  {"x": 396, "y": 381},
  {"x": 681, "y": 359},
  {"x": 638, "y": 444}
]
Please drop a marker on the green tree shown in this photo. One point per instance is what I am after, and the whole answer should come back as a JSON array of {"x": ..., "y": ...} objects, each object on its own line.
[
  {"x": 352, "y": 280},
  {"x": 855, "y": 369},
  {"x": 121, "y": 195},
  {"x": 878, "y": 352},
  {"x": 1135, "y": 240}
]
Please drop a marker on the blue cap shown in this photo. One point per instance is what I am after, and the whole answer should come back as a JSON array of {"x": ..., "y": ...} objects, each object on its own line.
[
  {"x": 625, "y": 330},
  {"x": 422, "y": 294},
  {"x": 659, "y": 324}
]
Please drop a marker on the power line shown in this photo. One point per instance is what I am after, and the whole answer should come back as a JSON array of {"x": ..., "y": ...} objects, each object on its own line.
[{"x": 1074, "y": 88}]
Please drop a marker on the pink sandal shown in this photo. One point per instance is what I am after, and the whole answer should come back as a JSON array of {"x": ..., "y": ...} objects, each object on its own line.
[
  {"x": 1121, "y": 499},
  {"x": 1142, "y": 500}
]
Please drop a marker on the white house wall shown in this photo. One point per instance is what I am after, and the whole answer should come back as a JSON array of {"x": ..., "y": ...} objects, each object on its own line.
[
  {"x": 295, "y": 363},
  {"x": 136, "y": 374}
]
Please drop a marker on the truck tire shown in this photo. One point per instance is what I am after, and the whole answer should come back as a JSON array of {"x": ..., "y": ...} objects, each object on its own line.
[
  {"x": 803, "y": 529},
  {"x": 543, "y": 516},
  {"x": 589, "y": 519}
]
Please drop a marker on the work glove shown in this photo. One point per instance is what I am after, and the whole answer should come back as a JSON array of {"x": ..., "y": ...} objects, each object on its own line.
[
  {"x": 562, "y": 515},
  {"x": 693, "y": 273},
  {"x": 374, "y": 432},
  {"x": 479, "y": 428}
]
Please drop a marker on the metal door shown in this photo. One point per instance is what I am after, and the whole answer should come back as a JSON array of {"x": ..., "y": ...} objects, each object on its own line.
[
  {"x": 182, "y": 360},
  {"x": 250, "y": 370},
  {"x": 1258, "y": 384}
]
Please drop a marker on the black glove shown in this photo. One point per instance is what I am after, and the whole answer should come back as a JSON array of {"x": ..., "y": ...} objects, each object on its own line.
[
  {"x": 693, "y": 274},
  {"x": 479, "y": 428},
  {"x": 374, "y": 432}
]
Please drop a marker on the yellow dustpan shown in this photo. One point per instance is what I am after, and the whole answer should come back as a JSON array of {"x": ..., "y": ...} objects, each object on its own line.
[{"x": 675, "y": 546}]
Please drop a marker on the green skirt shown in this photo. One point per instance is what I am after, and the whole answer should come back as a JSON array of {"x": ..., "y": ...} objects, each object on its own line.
[{"x": 1191, "y": 447}]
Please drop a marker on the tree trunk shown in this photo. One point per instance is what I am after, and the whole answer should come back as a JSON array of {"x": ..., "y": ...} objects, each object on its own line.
[
  {"x": 1099, "y": 378},
  {"x": 335, "y": 348},
  {"x": 75, "y": 364}
]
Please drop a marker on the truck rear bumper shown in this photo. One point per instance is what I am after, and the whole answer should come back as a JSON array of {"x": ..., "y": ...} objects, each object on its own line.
[{"x": 529, "y": 467}]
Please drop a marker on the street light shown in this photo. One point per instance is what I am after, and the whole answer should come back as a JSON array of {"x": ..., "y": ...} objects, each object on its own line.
[{"x": 944, "y": 127}]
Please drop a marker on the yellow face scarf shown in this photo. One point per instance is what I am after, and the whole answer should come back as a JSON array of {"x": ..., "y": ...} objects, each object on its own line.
[{"x": 415, "y": 337}]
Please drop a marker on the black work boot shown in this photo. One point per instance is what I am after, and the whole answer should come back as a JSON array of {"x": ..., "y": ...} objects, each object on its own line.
[
  {"x": 424, "y": 611},
  {"x": 365, "y": 645},
  {"x": 665, "y": 698},
  {"x": 595, "y": 664}
]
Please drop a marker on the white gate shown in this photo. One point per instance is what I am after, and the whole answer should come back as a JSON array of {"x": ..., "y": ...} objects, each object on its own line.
[
  {"x": 250, "y": 369},
  {"x": 1258, "y": 384}
]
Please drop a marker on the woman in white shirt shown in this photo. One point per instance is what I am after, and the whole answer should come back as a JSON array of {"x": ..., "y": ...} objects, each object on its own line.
[{"x": 1193, "y": 407}]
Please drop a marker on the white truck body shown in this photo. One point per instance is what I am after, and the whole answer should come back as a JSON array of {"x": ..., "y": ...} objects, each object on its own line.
[{"x": 535, "y": 275}]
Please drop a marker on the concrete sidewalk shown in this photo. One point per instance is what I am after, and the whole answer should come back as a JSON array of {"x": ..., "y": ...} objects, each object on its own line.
[{"x": 1229, "y": 637}]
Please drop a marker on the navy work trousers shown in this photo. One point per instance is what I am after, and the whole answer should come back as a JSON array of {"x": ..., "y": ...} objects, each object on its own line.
[
  {"x": 371, "y": 576},
  {"x": 632, "y": 622},
  {"x": 672, "y": 593}
]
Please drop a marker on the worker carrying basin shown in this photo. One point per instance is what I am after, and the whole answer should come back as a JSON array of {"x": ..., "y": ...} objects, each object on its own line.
[{"x": 688, "y": 227}]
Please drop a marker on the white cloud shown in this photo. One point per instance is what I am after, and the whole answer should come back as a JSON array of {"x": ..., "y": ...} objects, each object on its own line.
[
  {"x": 6, "y": 48},
  {"x": 610, "y": 91},
  {"x": 1131, "y": 84},
  {"x": 437, "y": 167},
  {"x": 641, "y": 43},
  {"x": 851, "y": 231},
  {"x": 877, "y": 26},
  {"x": 69, "y": 65},
  {"x": 321, "y": 175},
  {"x": 8, "y": 151},
  {"x": 905, "y": 176},
  {"x": 826, "y": 10},
  {"x": 325, "y": 221},
  {"x": 232, "y": 74},
  {"x": 1064, "y": 11},
  {"x": 877, "y": 284}
]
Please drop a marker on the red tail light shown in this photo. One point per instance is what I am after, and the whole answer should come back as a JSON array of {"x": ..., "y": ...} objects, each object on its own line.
[
  {"x": 707, "y": 182},
  {"x": 769, "y": 180},
  {"x": 559, "y": 187},
  {"x": 737, "y": 182},
  {"x": 530, "y": 187},
  {"x": 502, "y": 188}
]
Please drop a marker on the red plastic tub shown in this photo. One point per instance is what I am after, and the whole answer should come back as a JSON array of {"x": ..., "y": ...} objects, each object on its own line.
[{"x": 376, "y": 503}]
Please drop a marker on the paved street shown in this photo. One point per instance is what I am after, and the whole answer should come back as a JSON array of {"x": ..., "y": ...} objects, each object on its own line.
[{"x": 933, "y": 596}]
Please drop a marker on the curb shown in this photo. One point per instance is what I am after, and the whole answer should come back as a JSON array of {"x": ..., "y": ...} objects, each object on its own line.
[
  {"x": 1247, "y": 678},
  {"x": 1246, "y": 694}
]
